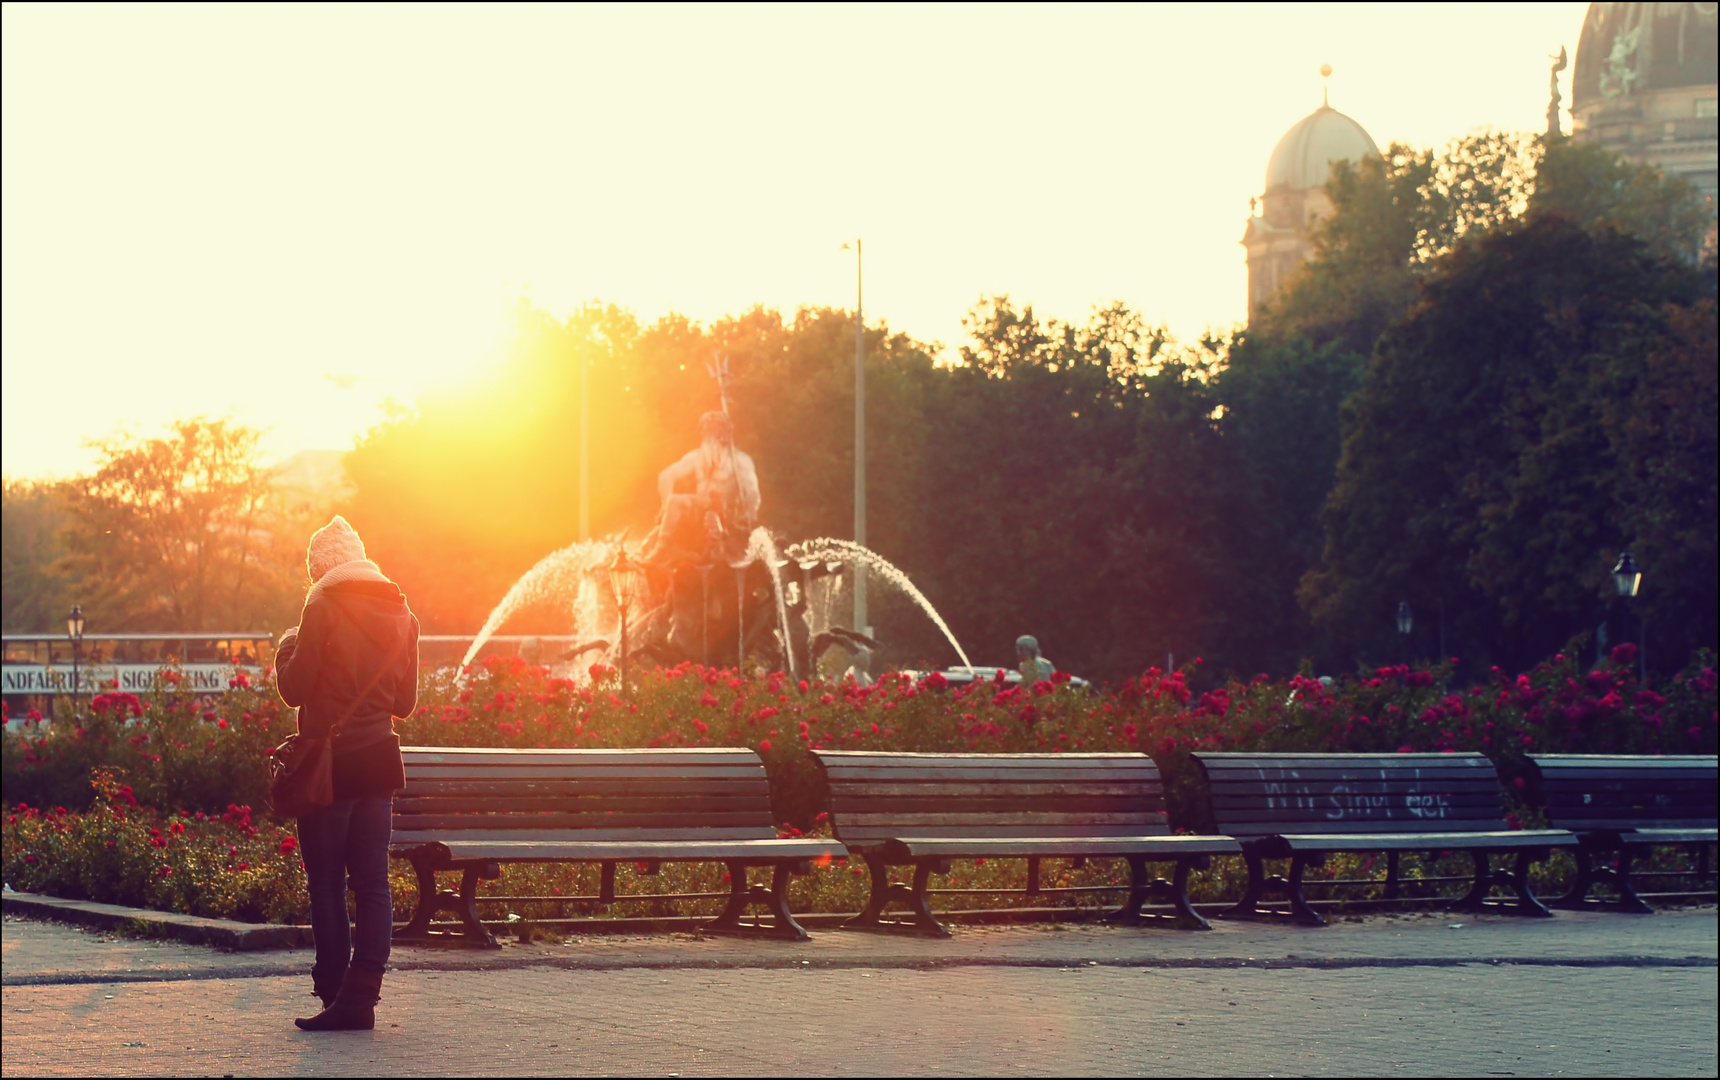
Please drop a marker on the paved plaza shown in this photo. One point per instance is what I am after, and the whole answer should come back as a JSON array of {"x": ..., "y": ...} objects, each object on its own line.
[{"x": 1420, "y": 994}]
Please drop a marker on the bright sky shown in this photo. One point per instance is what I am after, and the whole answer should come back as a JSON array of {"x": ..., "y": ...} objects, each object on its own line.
[{"x": 212, "y": 210}]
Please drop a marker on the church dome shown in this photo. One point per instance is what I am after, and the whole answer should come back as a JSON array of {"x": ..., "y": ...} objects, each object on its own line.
[
  {"x": 1304, "y": 156},
  {"x": 1626, "y": 49}
]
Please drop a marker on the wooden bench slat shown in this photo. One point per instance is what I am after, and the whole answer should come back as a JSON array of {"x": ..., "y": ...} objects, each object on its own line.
[
  {"x": 755, "y": 785},
  {"x": 1354, "y": 816},
  {"x": 833, "y": 759},
  {"x": 1227, "y": 758},
  {"x": 1001, "y": 789},
  {"x": 1376, "y": 826},
  {"x": 1068, "y": 846},
  {"x": 688, "y": 804},
  {"x": 984, "y": 801},
  {"x": 505, "y": 850},
  {"x": 1631, "y": 793},
  {"x": 1632, "y": 824},
  {"x": 1626, "y": 805},
  {"x": 595, "y": 821},
  {"x": 570, "y": 771},
  {"x": 1429, "y": 841},
  {"x": 871, "y": 834},
  {"x": 998, "y": 819},
  {"x": 669, "y": 756},
  {"x": 1624, "y": 761},
  {"x": 1347, "y": 775},
  {"x": 891, "y": 774},
  {"x": 1673, "y": 833},
  {"x": 414, "y": 837},
  {"x": 1226, "y": 787},
  {"x": 1323, "y": 799}
]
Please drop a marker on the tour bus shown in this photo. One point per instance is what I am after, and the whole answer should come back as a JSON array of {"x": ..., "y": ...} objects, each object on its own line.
[
  {"x": 447, "y": 650},
  {"x": 38, "y": 667}
]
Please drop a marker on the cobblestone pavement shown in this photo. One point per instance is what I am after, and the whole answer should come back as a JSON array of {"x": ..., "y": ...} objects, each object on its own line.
[{"x": 1604, "y": 995}]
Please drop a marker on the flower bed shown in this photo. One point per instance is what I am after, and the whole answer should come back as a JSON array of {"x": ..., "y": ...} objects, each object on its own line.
[{"x": 167, "y": 822}]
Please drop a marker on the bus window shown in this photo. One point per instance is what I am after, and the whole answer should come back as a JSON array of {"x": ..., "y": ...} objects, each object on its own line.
[{"x": 26, "y": 652}]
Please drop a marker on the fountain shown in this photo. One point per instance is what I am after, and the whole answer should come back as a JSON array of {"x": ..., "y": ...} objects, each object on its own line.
[
  {"x": 709, "y": 502},
  {"x": 810, "y": 553}
]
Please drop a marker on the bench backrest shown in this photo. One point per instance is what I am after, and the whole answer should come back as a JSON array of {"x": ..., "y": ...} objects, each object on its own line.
[
  {"x": 881, "y": 796},
  {"x": 1290, "y": 794},
  {"x": 466, "y": 793},
  {"x": 1601, "y": 792}
]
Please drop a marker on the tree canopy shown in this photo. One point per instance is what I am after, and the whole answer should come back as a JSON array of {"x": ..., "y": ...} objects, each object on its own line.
[{"x": 1497, "y": 370}]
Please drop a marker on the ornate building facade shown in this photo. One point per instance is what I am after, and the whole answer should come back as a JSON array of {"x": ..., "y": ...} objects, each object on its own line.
[
  {"x": 1276, "y": 238},
  {"x": 1645, "y": 85}
]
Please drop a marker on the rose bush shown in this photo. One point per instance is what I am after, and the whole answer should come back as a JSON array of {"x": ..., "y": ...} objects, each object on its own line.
[{"x": 170, "y": 758}]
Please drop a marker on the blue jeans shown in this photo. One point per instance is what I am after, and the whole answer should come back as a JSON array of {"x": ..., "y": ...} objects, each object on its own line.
[{"x": 348, "y": 841}]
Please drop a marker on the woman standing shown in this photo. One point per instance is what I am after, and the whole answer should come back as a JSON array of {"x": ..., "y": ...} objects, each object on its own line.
[{"x": 350, "y": 666}]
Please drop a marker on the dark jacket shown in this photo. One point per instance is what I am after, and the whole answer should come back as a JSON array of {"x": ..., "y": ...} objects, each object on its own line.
[{"x": 354, "y": 656}]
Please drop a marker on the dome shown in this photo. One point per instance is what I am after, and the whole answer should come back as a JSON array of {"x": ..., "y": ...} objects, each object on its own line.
[
  {"x": 1629, "y": 48},
  {"x": 1303, "y": 157}
]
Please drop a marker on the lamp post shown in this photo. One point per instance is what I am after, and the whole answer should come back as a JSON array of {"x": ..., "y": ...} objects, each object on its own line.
[
  {"x": 585, "y": 442},
  {"x": 75, "y": 631},
  {"x": 1627, "y": 579},
  {"x": 859, "y": 436},
  {"x": 621, "y": 574},
  {"x": 1405, "y": 623}
]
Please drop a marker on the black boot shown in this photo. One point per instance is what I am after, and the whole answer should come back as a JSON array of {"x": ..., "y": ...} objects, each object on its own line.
[
  {"x": 353, "y": 1009},
  {"x": 325, "y": 989}
]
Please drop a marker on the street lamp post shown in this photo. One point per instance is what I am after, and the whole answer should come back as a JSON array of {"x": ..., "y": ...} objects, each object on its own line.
[
  {"x": 621, "y": 574},
  {"x": 75, "y": 631},
  {"x": 859, "y": 436},
  {"x": 585, "y": 442},
  {"x": 1627, "y": 579},
  {"x": 1405, "y": 624}
]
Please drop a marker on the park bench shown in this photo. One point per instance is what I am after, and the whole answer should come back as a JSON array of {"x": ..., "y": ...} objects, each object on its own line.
[
  {"x": 924, "y": 810},
  {"x": 1304, "y": 807},
  {"x": 1621, "y": 806},
  {"x": 472, "y": 809}
]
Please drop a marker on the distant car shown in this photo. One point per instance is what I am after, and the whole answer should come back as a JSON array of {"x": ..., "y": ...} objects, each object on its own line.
[{"x": 961, "y": 676}]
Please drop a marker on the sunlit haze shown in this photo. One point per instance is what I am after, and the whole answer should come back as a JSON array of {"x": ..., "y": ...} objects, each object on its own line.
[{"x": 287, "y": 215}]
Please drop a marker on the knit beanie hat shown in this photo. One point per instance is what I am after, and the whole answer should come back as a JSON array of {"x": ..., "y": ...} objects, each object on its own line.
[{"x": 331, "y": 545}]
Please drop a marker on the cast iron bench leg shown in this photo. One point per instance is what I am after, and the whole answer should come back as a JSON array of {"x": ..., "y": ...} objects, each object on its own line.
[
  {"x": 885, "y": 892},
  {"x": 1392, "y": 880},
  {"x": 462, "y": 904},
  {"x": 1299, "y": 909},
  {"x": 883, "y": 889},
  {"x": 1291, "y": 887},
  {"x": 1577, "y": 895},
  {"x": 474, "y": 930},
  {"x": 775, "y": 899},
  {"x": 730, "y": 919},
  {"x": 1249, "y": 906},
  {"x": 430, "y": 901},
  {"x": 1487, "y": 876},
  {"x": 1140, "y": 891},
  {"x": 1142, "y": 887},
  {"x": 1628, "y": 900},
  {"x": 920, "y": 901}
]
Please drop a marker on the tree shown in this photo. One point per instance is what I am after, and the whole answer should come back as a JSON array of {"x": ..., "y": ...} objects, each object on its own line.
[
  {"x": 182, "y": 533},
  {"x": 36, "y": 599},
  {"x": 1280, "y": 428},
  {"x": 1392, "y": 218},
  {"x": 1477, "y": 470}
]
